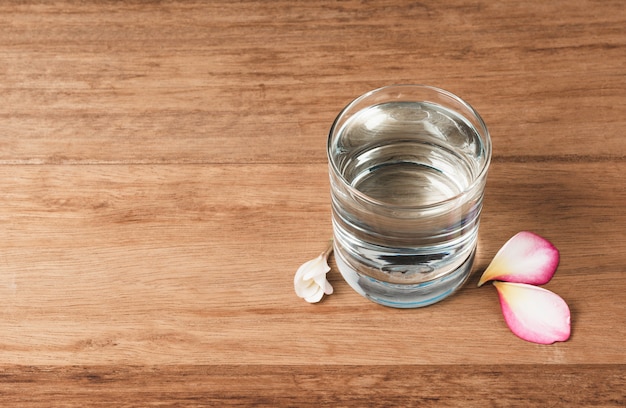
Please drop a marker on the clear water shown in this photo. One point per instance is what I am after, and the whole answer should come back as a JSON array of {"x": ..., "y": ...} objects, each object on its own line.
[{"x": 406, "y": 227}]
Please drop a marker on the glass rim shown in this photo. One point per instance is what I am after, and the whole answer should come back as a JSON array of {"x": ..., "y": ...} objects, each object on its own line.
[{"x": 486, "y": 138}]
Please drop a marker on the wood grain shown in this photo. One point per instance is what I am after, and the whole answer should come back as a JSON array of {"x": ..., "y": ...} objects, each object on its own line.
[
  {"x": 306, "y": 386},
  {"x": 163, "y": 174},
  {"x": 262, "y": 81},
  {"x": 170, "y": 264}
]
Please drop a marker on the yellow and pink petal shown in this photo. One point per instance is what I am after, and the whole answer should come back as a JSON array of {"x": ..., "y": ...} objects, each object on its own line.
[
  {"x": 533, "y": 313},
  {"x": 525, "y": 258}
]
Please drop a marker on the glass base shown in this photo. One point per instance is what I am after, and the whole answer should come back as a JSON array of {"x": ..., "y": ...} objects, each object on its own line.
[{"x": 405, "y": 296}]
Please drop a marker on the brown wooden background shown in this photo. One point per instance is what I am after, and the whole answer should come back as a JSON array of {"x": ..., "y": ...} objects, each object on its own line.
[{"x": 163, "y": 174}]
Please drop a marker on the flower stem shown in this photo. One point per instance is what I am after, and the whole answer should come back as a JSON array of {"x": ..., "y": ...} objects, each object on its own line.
[{"x": 329, "y": 249}]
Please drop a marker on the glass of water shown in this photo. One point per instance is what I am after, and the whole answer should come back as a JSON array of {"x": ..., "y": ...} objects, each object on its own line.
[{"x": 408, "y": 166}]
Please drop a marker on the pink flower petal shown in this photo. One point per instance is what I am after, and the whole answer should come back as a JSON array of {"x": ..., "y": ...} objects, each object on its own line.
[
  {"x": 525, "y": 258},
  {"x": 534, "y": 314}
]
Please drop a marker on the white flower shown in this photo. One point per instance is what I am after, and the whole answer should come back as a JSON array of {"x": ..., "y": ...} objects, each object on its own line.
[{"x": 310, "y": 281}]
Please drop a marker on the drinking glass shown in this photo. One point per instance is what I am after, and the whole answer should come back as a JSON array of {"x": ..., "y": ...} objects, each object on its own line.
[{"x": 408, "y": 166}]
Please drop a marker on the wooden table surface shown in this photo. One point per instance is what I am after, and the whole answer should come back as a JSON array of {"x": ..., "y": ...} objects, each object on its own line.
[{"x": 163, "y": 174}]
